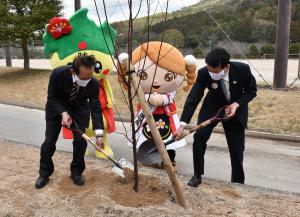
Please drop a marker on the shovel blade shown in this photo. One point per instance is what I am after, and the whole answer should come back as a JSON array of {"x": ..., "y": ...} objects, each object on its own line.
[
  {"x": 149, "y": 159},
  {"x": 124, "y": 163}
]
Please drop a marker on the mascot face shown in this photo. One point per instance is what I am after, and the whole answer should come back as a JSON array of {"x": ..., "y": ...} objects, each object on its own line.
[
  {"x": 161, "y": 81},
  {"x": 66, "y": 39},
  {"x": 162, "y": 68}
]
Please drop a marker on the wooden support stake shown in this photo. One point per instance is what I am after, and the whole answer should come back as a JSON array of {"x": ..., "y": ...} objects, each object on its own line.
[{"x": 158, "y": 140}]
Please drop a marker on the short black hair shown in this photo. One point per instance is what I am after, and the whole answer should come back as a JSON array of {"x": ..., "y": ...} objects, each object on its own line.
[
  {"x": 83, "y": 60},
  {"x": 217, "y": 57}
]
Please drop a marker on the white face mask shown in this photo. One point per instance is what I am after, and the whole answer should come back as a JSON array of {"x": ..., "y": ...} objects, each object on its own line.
[
  {"x": 81, "y": 83},
  {"x": 217, "y": 76}
]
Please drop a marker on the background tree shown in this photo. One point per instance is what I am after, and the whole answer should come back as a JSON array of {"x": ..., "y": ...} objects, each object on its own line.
[
  {"x": 4, "y": 43},
  {"x": 267, "y": 49},
  {"x": 245, "y": 21},
  {"x": 198, "y": 52},
  {"x": 24, "y": 20},
  {"x": 191, "y": 41},
  {"x": 253, "y": 51},
  {"x": 173, "y": 37},
  {"x": 294, "y": 48}
]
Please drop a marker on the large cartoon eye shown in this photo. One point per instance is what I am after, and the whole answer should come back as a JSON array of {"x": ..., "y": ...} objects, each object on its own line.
[
  {"x": 98, "y": 67},
  {"x": 143, "y": 75},
  {"x": 170, "y": 76}
]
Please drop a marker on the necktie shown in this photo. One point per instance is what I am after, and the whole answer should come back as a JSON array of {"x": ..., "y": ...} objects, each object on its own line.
[
  {"x": 74, "y": 91},
  {"x": 225, "y": 89}
]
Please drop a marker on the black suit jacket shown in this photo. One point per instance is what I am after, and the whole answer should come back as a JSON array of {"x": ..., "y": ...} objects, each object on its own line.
[
  {"x": 242, "y": 86},
  {"x": 86, "y": 102}
]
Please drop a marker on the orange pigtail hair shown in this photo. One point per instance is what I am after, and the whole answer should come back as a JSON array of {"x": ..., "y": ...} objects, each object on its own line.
[
  {"x": 191, "y": 67},
  {"x": 122, "y": 69}
]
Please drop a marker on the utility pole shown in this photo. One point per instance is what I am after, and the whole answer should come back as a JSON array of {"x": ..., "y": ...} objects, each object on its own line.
[
  {"x": 77, "y": 4},
  {"x": 282, "y": 44}
]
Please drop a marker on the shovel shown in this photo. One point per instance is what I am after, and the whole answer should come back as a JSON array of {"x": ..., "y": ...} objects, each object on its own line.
[
  {"x": 148, "y": 154},
  {"x": 119, "y": 166}
]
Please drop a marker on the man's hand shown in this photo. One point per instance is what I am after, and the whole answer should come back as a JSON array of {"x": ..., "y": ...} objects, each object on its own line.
[
  {"x": 66, "y": 119},
  {"x": 179, "y": 134},
  {"x": 231, "y": 109},
  {"x": 99, "y": 143}
]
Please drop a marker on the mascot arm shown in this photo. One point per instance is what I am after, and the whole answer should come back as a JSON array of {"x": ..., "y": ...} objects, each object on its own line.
[
  {"x": 158, "y": 99},
  {"x": 168, "y": 98},
  {"x": 108, "y": 90}
]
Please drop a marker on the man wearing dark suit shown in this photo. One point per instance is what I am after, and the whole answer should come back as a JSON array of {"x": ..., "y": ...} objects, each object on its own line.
[
  {"x": 229, "y": 84},
  {"x": 73, "y": 95}
]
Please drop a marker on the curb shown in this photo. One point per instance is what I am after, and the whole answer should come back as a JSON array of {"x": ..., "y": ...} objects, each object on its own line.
[
  {"x": 249, "y": 133},
  {"x": 264, "y": 135}
]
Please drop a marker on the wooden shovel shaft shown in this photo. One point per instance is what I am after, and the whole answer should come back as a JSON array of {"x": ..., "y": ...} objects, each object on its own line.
[
  {"x": 101, "y": 150},
  {"x": 186, "y": 133},
  {"x": 199, "y": 126}
]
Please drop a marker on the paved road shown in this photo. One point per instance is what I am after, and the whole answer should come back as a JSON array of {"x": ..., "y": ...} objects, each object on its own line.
[
  {"x": 264, "y": 66},
  {"x": 270, "y": 164}
]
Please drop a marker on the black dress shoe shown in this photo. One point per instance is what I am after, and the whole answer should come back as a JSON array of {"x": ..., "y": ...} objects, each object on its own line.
[
  {"x": 78, "y": 179},
  {"x": 41, "y": 182},
  {"x": 195, "y": 181}
]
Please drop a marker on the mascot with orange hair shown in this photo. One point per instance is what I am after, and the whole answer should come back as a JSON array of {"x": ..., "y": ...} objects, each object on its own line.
[{"x": 162, "y": 69}]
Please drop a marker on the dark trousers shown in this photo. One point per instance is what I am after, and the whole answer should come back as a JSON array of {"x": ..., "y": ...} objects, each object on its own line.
[
  {"x": 172, "y": 154},
  {"x": 53, "y": 127},
  {"x": 235, "y": 136}
]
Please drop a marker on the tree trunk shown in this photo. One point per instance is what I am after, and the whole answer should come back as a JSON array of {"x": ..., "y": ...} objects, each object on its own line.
[
  {"x": 25, "y": 53},
  {"x": 8, "y": 56},
  {"x": 134, "y": 141}
]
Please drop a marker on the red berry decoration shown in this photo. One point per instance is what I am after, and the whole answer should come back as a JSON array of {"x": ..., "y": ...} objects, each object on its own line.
[{"x": 82, "y": 45}]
